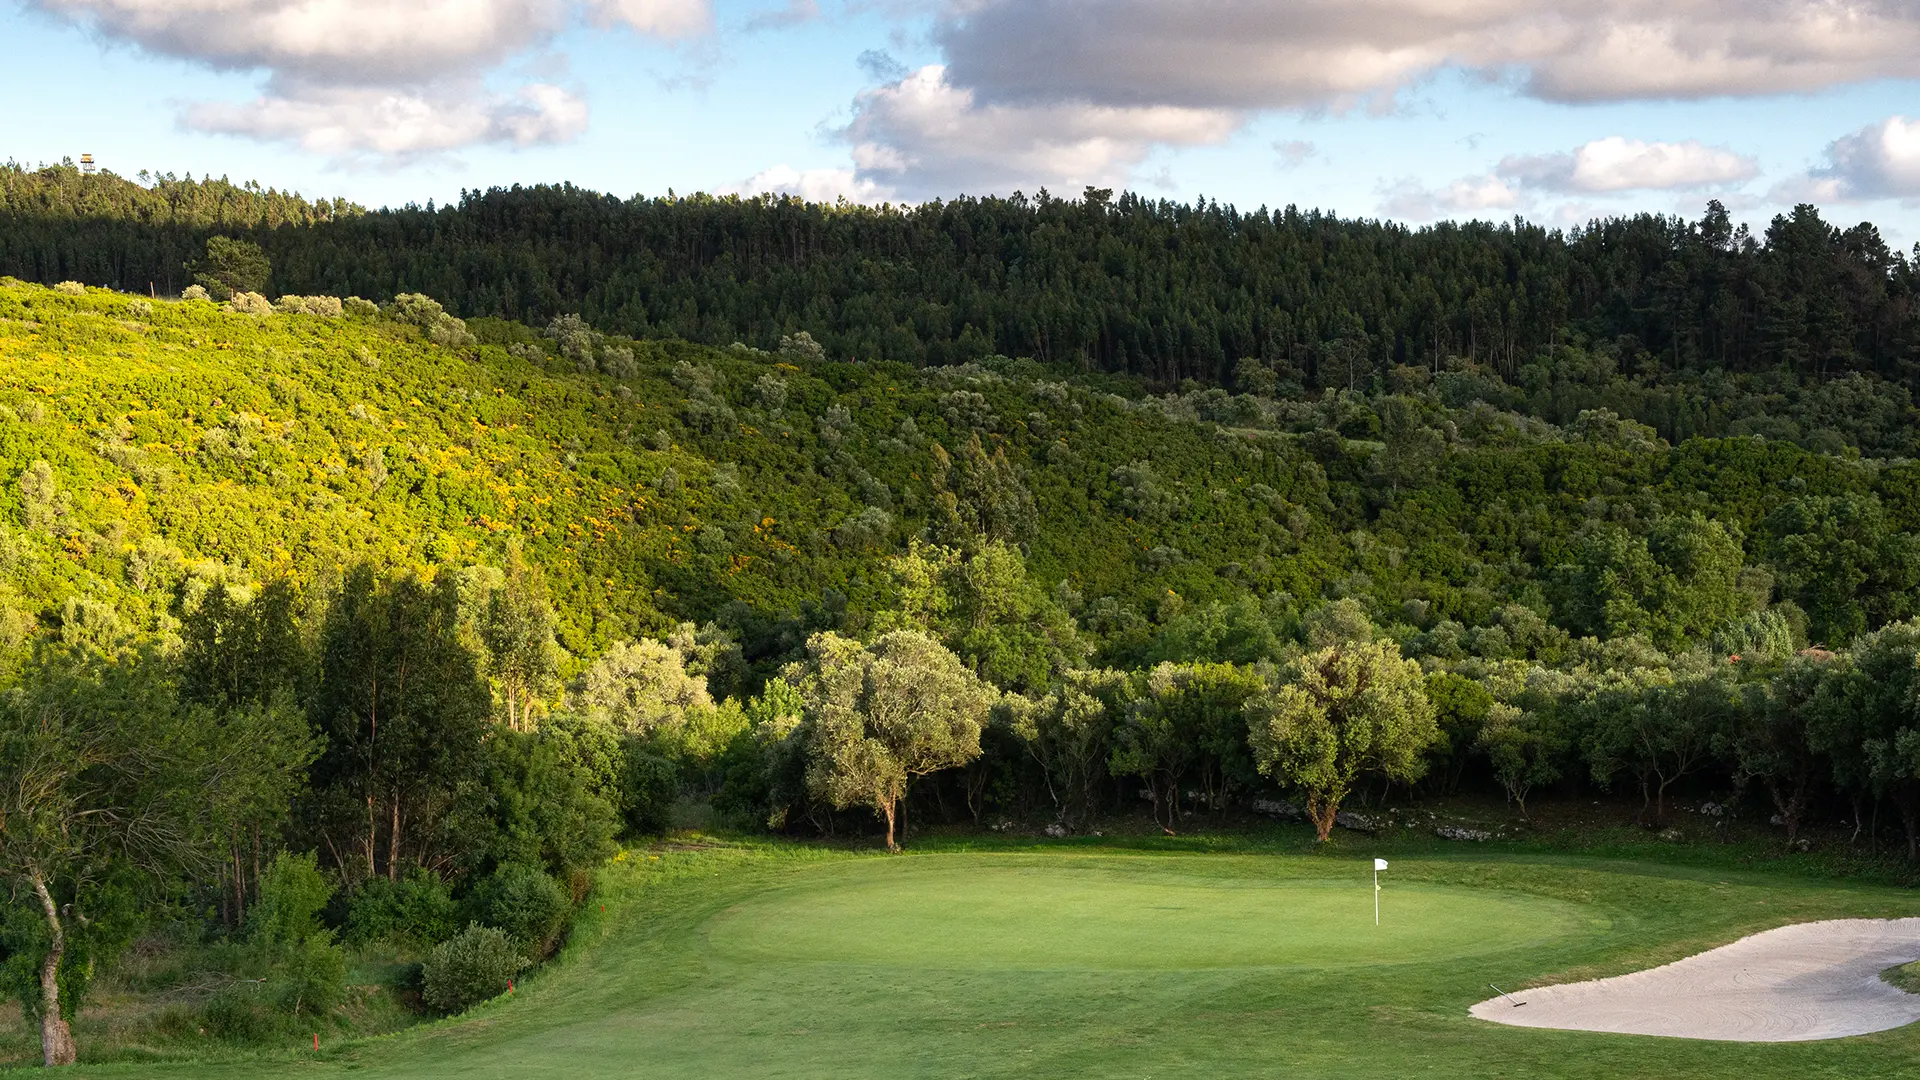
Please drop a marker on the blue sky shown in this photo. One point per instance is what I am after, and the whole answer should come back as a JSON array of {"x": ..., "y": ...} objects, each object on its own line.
[{"x": 1410, "y": 109}]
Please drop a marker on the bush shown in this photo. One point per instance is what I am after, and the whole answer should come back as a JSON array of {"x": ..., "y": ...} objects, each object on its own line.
[
  {"x": 328, "y": 306},
  {"x": 235, "y": 1013},
  {"x": 293, "y": 892},
  {"x": 250, "y": 303},
  {"x": 309, "y": 970},
  {"x": 473, "y": 966},
  {"x": 418, "y": 910},
  {"x": 195, "y": 292},
  {"x": 526, "y": 903},
  {"x": 358, "y": 308},
  {"x": 649, "y": 784},
  {"x": 311, "y": 977},
  {"x": 71, "y": 288}
]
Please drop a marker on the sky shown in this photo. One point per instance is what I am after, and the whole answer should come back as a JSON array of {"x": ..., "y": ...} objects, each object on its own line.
[{"x": 1415, "y": 110}]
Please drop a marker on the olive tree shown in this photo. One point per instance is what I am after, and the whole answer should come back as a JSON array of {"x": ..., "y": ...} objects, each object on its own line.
[
  {"x": 880, "y": 715},
  {"x": 1337, "y": 714}
]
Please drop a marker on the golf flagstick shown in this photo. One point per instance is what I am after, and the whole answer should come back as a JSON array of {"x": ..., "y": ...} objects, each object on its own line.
[{"x": 1378, "y": 865}]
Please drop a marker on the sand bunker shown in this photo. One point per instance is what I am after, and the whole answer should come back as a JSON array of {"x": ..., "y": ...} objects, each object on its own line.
[{"x": 1817, "y": 980}]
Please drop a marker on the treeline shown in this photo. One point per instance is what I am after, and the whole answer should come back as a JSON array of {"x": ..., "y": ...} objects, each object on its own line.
[{"x": 1160, "y": 290}]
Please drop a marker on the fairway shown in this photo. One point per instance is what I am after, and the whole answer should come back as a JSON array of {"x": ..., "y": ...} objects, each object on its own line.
[
  {"x": 789, "y": 961},
  {"x": 1153, "y": 913}
]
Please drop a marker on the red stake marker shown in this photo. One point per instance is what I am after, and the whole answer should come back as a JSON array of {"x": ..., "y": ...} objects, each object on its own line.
[{"x": 316, "y": 1040}]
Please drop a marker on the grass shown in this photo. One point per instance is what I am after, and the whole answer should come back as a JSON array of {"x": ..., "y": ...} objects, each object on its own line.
[
  {"x": 1906, "y": 977},
  {"x": 1023, "y": 960}
]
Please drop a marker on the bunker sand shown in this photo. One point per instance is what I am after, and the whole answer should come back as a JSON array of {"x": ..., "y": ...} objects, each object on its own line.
[{"x": 1817, "y": 980}]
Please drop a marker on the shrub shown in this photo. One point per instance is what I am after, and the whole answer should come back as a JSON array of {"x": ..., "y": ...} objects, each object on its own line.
[
  {"x": 310, "y": 971},
  {"x": 195, "y": 292},
  {"x": 250, "y": 303},
  {"x": 358, "y": 308},
  {"x": 328, "y": 306},
  {"x": 139, "y": 309},
  {"x": 526, "y": 903},
  {"x": 473, "y": 966},
  {"x": 292, "y": 893},
  {"x": 311, "y": 977},
  {"x": 418, "y": 909},
  {"x": 649, "y": 784},
  {"x": 235, "y": 1013},
  {"x": 71, "y": 288}
]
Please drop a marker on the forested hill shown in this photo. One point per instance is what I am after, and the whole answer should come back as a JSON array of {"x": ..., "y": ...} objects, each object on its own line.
[
  {"x": 1162, "y": 290},
  {"x": 150, "y": 448}
]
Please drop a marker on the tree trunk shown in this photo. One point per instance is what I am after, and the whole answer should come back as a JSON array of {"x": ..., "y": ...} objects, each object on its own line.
[
  {"x": 56, "y": 1041},
  {"x": 239, "y": 882},
  {"x": 888, "y": 810},
  {"x": 393, "y": 841},
  {"x": 1321, "y": 811},
  {"x": 372, "y": 828}
]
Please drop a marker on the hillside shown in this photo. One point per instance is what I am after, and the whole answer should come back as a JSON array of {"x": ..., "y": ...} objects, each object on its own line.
[{"x": 184, "y": 441}]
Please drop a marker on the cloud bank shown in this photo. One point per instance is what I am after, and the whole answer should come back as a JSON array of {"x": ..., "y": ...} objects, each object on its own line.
[
  {"x": 1064, "y": 92},
  {"x": 1255, "y": 54},
  {"x": 372, "y": 79}
]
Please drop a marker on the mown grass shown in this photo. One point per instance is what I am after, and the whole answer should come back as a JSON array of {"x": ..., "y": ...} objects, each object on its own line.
[{"x": 756, "y": 959}]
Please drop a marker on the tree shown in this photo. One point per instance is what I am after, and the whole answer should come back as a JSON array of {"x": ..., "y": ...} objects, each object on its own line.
[
  {"x": 1337, "y": 714},
  {"x": 104, "y": 790},
  {"x": 1865, "y": 716},
  {"x": 1069, "y": 734},
  {"x": 404, "y": 710},
  {"x": 516, "y": 628},
  {"x": 640, "y": 687},
  {"x": 230, "y": 267},
  {"x": 1524, "y": 746},
  {"x": 1770, "y": 732},
  {"x": 1660, "y": 724},
  {"x": 986, "y": 608},
  {"x": 881, "y": 715},
  {"x": 1460, "y": 708},
  {"x": 1186, "y": 719},
  {"x": 244, "y": 657}
]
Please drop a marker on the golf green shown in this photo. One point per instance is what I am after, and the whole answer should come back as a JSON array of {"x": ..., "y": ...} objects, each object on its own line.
[
  {"x": 798, "y": 962},
  {"x": 1154, "y": 913}
]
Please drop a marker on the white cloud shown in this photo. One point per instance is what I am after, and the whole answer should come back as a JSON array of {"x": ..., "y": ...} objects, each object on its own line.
[
  {"x": 1879, "y": 161},
  {"x": 1413, "y": 201},
  {"x": 374, "y": 77},
  {"x": 1250, "y": 54},
  {"x": 658, "y": 18},
  {"x": 1619, "y": 164},
  {"x": 922, "y": 136},
  {"x": 812, "y": 185},
  {"x": 394, "y": 126}
]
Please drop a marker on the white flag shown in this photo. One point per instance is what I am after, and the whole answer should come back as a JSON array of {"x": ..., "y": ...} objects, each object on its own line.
[{"x": 1379, "y": 864}]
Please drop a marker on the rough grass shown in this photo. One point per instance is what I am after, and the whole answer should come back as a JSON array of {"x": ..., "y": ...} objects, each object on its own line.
[
  {"x": 1906, "y": 977},
  {"x": 1023, "y": 960}
]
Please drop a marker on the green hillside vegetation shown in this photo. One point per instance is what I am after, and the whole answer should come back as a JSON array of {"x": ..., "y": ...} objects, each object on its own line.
[{"x": 345, "y": 636}]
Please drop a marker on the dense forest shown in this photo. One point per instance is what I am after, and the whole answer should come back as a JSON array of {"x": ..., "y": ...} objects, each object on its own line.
[
  {"x": 334, "y": 628},
  {"x": 1162, "y": 290}
]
